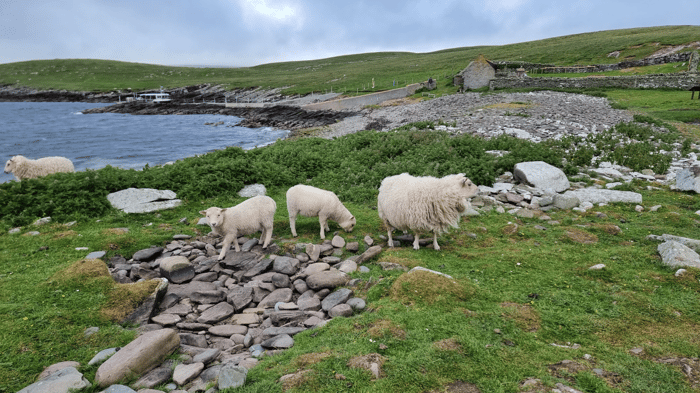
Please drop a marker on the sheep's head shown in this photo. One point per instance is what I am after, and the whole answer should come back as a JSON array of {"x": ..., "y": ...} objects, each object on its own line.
[
  {"x": 470, "y": 189},
  {"x": 10, "y": 165},
  {"x": 348, "y": 224},
  {"x": 215, "y": 216}
]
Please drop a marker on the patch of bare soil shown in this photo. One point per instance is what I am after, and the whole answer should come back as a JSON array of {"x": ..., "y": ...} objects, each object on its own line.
[
  {"x": 690, "y": 367},
  {"x": 458, "y": 387}
]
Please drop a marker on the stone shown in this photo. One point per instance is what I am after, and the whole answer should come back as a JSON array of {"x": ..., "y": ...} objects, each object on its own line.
[
  {"x": 57, "y": 367},
  {"x": 541, "y": 175},
  {"x": 228, "y": 330},
  {"x": 675, "y": 254},
  {"x": 422, "y": 269},
  {"x": 315, "y": 268},
  {"x": 341, "y": 310},
  {"x": 688, "y": 179},
  {"x": 62, "y": 381},
  {"x": 147, "y": 254},
  {"x": 148, "y": 306},
  {"x": 335, "y": 298},
  {"x": 313, "y": 251},
  {"x": 693, "y": 62},
  {"x": 232, "y": 376},
  {"x": 308, "y": 301},
  {"x": 138, "y": 357},
  {"x": 41, "y": 221},
  {"x": 565, "y": 202},
  {"x": 599, "y": 266},
  {"x": 693, "y": 244},
  {"x": 143, "y": 200},
  {"x": 240, "y": 297},
  {"x": 283, "y": 341},
  {"x": 356, "y": 303},
  {"x": 327, "y": 279},
  {"x": 217, "y": 313},
  {"x": 193, "y": 340},
  {"x": 338, "y": 242},
  {"x": 276, "y": 331},
  {"x": 280, "y": 280},
  {"x": 369, "y": 254},
  {"x": 352, "y": 246},
  {"x": 177, "y": 269},
  {"x": 96, "y": 255},
  {"x": 102, "y": 356},
  {"x": 246, "y": 319},
  {"x": 184, "y": 373},
  {"x": 155, "y": 377},
  {"x": 348, "y": 266},
  {"x": 596, "y": 196},
  {"x": 278, "y": 295},
  {"x": 286, "y": 265},
  {"x": 252, "y": 190},
  {"x": 368, "y": 240}
]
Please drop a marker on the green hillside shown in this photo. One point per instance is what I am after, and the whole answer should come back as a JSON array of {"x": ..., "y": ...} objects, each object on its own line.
[{"x": 351, "y": 72}]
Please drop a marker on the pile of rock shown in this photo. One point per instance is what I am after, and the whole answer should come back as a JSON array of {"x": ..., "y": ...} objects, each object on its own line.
[{"x": 224, "y": 315}]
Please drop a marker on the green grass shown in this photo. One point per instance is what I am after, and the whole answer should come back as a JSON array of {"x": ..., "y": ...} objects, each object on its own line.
[
  {"x": 351, "y": 73},
  {"x": 532, "y": 284}
]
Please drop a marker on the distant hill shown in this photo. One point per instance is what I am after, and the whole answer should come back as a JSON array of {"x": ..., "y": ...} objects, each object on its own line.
[{"x": 351, "y": 72}]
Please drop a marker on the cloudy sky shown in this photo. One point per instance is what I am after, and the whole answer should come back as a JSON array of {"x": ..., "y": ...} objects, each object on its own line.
[{"x": 250, "y": 32}]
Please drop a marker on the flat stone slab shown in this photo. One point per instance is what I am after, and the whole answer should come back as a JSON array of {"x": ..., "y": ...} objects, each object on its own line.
[
  {"x": 594, "y": 195},
  {"x": 143, "y": 200}
]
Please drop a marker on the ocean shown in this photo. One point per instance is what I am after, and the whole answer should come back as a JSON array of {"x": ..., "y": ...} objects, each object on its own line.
[{"x": 43, "y": 129}]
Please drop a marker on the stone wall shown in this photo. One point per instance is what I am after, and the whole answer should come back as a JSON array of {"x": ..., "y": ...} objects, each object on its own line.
[
  {"x": 368, "y": 99},
  {"x": 655, "y": 81},
  {"x": 506, "y": 66}
]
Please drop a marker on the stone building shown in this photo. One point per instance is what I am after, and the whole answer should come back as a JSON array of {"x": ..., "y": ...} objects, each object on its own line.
[{"x": 478, "y": 73}]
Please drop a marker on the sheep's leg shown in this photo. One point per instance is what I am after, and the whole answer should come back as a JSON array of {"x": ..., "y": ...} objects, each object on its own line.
[
  {"x": 391, "y": 240},
  {"x": 323, "y": 221},
  {"x": 268, "y": 236},
  {"x": 227, "y": 243},
  {"x": 435, "y": 245},
  {"x": 292, "y": 224},
  {"x": 416, "y": 241}
]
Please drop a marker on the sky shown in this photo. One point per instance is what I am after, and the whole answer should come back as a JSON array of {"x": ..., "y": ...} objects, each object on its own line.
[{"x": 239, "y": 33}]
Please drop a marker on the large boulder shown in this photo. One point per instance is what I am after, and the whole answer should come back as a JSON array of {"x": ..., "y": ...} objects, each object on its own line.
[
  {"x": 541, "y": 175},
  {"x": 138, "y": 357},
  {"x": 675, "y": 254},
  {"x": 595, "y": 195},
  {"x": 143, "y": 200},
  {"x": 62, "y": 381},
  {"x": 688, "y": 179}
]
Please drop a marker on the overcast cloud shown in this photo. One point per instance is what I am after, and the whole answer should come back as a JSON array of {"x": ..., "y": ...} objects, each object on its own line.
[{"x": 249, "y": 32}]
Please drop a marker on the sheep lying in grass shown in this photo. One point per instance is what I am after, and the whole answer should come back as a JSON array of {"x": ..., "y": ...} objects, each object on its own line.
[
  {"x": 423, "y": 204},
  {"x": 252, "y": 215},
  {"x": 311, "y": 202},
  {"x": 24, "y": 168}
]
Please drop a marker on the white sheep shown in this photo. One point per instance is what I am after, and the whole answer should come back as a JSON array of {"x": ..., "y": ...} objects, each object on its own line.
[
  {"x": 24, "y": 168},
  {"x": 423, "y": 204},
  {"x": 311, "y": 202},
  {"x": 252, "y": 215}
]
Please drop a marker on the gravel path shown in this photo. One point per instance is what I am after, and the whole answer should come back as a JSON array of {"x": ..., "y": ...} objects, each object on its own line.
[{"x": 536, "y": 116}]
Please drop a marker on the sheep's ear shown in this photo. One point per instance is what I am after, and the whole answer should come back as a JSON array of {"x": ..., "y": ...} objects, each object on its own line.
[
  {"x": 223, "y": 210},
  {"x": 203, "y": 212}
]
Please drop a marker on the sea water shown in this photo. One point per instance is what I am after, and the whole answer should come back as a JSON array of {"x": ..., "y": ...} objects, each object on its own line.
[{"x": 93, "y": 141}]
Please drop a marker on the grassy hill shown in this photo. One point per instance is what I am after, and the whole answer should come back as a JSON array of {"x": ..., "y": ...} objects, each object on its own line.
[{"x": 351, "y": 72}]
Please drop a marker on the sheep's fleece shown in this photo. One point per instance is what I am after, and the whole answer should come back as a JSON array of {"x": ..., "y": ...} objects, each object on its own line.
[
  {"x": 423, "y": 204},
  {"x": 311, "y": 202},
  {"x": 249, "y": 216},
  {"x": 24, "y": 168}
]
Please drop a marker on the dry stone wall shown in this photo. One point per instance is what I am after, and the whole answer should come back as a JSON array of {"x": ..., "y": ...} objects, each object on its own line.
[{"x": 655, "y": 81}]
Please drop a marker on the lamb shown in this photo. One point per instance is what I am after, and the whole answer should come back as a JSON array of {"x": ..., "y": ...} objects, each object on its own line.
[
  {"x": 252, "y": 215},
  {"x": 423, "y": 204},
  {"x": 311, "y": 202},
  {"x": 24, "y": 168}
]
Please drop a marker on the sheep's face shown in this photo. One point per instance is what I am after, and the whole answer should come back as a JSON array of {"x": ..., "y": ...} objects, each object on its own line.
[
  {"x": 348, "y": 225},
  {"x": 470, "y": 189},
  {"x": 10, "y": 166},
  {"x": 215, "y": 216}
]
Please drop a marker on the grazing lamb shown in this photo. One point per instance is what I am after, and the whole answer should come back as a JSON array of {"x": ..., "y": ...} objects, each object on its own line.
[
  {"x": 252, "y": 215},
  {"x": 423, "y": 204},
  {"x": 24, "y": 168},
  {"x": 311, "y": 202}
]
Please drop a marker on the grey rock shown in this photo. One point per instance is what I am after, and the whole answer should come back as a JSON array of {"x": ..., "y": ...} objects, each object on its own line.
[
  {"x": 147, "y": 254},
  {"x": 240, "y": 297},
  {"x": 688, "y": 179},
  {"x": 352, "y": 246},
  {"x": 14, "y": 231},
  {"x": 313, "y": 251},
  {"x": 278, "y": 295},
  {"x": 61, "y": 381},
  {"x": 283, "y": 341},
  {"x": 42, "y": 221},
  {"x": 286, "y": 265},
  {"x": 565, "y": 202},
  {"x": 247, "y": 246},
  {"x": 208, "y": 297},
  {"x": 177, "y": 269},
  {"x": 348, "y": 266},
  {"x": 184, "y": 373},
  {"x": 675, "y": 254},
  {"x": 259, "y": 267},
  {"x": 280, "y": 280},
  {"x": 335, "y": 298},
  {"x": 541, "y": 175},
  {"x": 308, "y": 301},
  {"x": 139, "y": 356},
  {"x": 338, "y": 242},
  {"x": 211, "y": 373},
  {"x": 155, "y": 377},
  {"x": 166, "y": 319},
  {"x": 276, "y": 331},
  {"x": 231, "y": 376},
  {"x": 216, "y": 313},
  {"x": 327, "y": 279},
  {"x": 96, "y": 255},
  {"x": 693, "y": 244},
  {"x": 368, "y": 254},
  {"x": 341, "y": 310},
  {"x": 595, "y": 196},
  {"x": 252, "y": 190},
  {"x": 228, "y": 330},
  {"x": 118, "y": 389},
  {"x": 145, "y": 200},
  {"x": 356, "y": 303},
  {"x": 193, "y": 340},
  {"x": 102, "y": 356}
]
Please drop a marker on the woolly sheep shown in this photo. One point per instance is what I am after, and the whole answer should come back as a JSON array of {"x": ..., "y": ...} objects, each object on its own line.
[
  {"x": 252, "y": 215},
  {"x": 311, "y": 202},
  {"x": 24, "y": 168},
  {"x": 423, "y": 204}
]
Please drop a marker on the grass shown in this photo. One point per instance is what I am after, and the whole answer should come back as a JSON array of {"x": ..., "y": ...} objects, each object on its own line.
[
  {"x": 349, "y": 74},
  {"x": 516, "y": 290}
]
